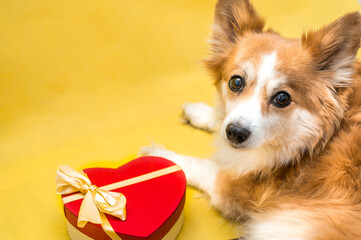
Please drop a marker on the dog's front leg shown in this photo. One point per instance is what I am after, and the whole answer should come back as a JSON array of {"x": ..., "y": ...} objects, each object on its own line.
[
  {"x": 200, "y": 173},
  {"x": 200, "y": 115}
]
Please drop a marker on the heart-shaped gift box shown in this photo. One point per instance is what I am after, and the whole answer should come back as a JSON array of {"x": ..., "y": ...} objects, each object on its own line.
[{"x": 154, "y": 189}]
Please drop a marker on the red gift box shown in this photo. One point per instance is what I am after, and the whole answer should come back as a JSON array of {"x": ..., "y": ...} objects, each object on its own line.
[{"x": 154, "y": 189}]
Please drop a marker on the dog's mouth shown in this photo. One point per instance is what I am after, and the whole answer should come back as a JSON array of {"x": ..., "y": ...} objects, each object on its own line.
[
  {"x": 250, "y": 144},
  {"x": 236, "y": 145}
]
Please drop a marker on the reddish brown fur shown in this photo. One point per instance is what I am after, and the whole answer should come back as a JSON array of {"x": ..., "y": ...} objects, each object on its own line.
[{"x": 326, "y": 178}]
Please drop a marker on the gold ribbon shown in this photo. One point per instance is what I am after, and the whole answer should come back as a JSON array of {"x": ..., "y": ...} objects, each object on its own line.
[{"x": 98, "y": 201}]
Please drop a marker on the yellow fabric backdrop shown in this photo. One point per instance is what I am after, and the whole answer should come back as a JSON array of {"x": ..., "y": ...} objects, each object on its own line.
[{"x": 87, "y": 83}]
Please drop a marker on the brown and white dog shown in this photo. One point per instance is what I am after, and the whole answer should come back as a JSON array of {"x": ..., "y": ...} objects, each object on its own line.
[{"x": 288, "y": 128}]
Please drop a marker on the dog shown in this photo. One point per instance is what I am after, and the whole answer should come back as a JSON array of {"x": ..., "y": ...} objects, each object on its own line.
[{"x": 287, "y": 125}]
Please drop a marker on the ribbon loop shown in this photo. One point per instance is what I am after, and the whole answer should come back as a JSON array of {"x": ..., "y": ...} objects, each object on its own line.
[{"x": 97, "y": 201}]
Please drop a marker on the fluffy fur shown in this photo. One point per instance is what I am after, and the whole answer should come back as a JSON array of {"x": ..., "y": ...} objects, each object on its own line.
[{"x": 298, "y": 174}]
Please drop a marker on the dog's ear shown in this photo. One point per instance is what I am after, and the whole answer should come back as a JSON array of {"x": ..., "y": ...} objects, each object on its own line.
[
  {"x": 334, "y": 47},
  {"x": 233, "y": 18}
]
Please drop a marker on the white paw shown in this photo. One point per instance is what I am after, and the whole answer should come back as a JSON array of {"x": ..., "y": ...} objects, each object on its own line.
[
  {"x": 156, "y": 150},
  {"x": 199, "y": 115}
]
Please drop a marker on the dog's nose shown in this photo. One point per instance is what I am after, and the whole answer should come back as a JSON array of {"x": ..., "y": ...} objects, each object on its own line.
[{"x": 237, "y": 134}]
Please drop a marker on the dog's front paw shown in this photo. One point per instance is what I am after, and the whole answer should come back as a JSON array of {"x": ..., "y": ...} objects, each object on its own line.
[
  {"x": 160, "y": 151},
  {"x": 199, "y": 115},
  {"x": 156, "y": 150}
]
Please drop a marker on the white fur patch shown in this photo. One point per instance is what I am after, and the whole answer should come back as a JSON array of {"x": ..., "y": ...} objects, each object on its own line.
[
  {"x": 283, "y": 225},
  {"x": 304, "y": 123},
  {"x": 243, "y": 161},
  {"x": 343, "y": 75},
  {"x": 266, "y": 70}
]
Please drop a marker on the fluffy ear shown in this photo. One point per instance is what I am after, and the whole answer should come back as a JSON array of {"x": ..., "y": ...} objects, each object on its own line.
[
  {"x": 232, "y": 19},
  {"x": 235, "y": 17},
  {"x": 334, "y": 47}
]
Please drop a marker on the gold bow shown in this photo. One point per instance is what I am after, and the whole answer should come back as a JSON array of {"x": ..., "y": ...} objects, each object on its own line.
[{"x": 97, "y": 201}]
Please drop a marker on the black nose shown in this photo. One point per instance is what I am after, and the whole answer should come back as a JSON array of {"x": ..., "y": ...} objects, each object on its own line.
[{"x": 237, "y": 134}]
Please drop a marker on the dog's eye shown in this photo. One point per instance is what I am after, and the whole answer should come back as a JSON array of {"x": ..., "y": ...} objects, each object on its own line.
[
  {"x": 237, "y": 83},
  {"x": 281, "y": 99}
]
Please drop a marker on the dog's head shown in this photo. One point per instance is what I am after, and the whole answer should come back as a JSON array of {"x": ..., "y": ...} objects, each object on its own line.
[{"x": 288, "y": 95}]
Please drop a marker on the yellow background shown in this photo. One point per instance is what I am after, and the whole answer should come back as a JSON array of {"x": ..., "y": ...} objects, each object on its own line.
[{"x": 88, "y": 82}]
